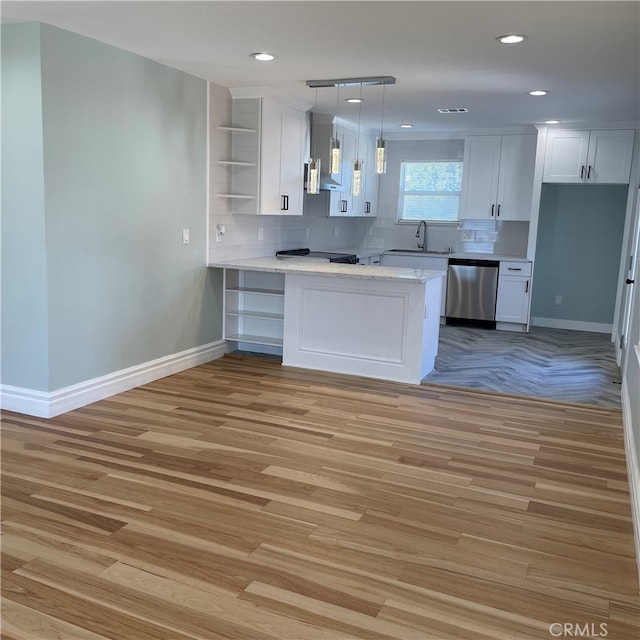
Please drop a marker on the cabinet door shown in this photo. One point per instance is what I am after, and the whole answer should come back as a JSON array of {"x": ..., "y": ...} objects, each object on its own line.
[
  {"x": 565, "y": 157},
  {"x": 481, "y": 165},
  {"x": 609, "y": 157},
  {"x": 270, "y": 159},
  {"x": 515, "y": 182},
  {"x": 341, "y": 202},
  {"x": 292, "y": 160},
  {"x": 281, "y": 160},
  {"x": 364, "y": 204},
  {"x": 420, "y": 262},
  {"x": 371, "y": 186},
  {"x": 512, "y": 304}
]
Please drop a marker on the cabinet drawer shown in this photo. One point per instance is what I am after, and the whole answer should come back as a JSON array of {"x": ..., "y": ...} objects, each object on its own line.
[{"x": 512, "y": 268}]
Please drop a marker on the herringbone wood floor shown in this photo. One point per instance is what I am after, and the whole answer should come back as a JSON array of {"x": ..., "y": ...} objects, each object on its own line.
[
  {"x": 573, "y": 366},
  {"x": 242, "y": 499}
]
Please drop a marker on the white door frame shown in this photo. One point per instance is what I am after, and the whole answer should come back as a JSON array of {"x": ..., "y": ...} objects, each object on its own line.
[{"x": 630, "y": 274}]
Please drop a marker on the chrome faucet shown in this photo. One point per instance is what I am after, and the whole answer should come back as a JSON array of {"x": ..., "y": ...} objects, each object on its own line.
[{"x": 425, "y": 238}]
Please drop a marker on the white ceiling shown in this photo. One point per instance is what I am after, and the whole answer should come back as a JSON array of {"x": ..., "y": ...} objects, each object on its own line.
[{"x": 443, "y": 54}]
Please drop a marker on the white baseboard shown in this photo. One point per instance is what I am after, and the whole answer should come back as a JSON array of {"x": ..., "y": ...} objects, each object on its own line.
[
  {"x": 49, "y": 404},
  {"x": 574, "y": 325},
  {"x": 633, "y": 470}
]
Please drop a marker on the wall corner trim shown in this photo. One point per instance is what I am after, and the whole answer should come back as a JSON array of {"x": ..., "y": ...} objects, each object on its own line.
[
  {"x": 50, "y": 404},
  {"x": 633, "y": 470}
]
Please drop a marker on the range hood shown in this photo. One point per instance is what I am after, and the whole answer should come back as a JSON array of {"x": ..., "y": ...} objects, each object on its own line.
[
  {"x": 327, "y": 183},
  {"x": 321, "y": 127}
]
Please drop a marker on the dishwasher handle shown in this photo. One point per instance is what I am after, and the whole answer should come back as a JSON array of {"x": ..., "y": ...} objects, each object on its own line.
[{"x": 472, "y": 262}]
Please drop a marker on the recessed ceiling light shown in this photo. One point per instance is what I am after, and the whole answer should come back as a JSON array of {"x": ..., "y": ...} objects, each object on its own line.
[
  {"x": 354, "y": 100},
  {"x": 406, "y": 125},
  {"x": 552, "y": 121},
  {"x": 538, "y": 92},
  {"x": 511, "y": 38},
  {"x": 263, "y": 56}
]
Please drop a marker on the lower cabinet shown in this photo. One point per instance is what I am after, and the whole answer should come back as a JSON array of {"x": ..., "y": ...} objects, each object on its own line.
[
  {"x": 420, "y": 262},
  {"x": 514, "y": 294},
  {"x": 371, "y": 260}
]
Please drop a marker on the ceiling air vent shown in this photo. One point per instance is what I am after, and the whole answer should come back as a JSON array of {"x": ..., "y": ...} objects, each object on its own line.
[{"x": 454, "y": 110}]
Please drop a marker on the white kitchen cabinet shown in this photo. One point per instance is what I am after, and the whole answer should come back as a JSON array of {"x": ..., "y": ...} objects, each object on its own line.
[
  {"x": 514, "y": 294},
  {"x": 281, "y": 160},
  {"x": 267, "y": 158},
  {"x": 497, "y": 181},
  {"x": 370, "y": 260},
  {"x": 341, "y": 202},
  {"x": 365, "y": 205},
  {"x": 417, "y": 261},
  {"x": 354, "y": 145},
  {"x": 588, "y": 157}
]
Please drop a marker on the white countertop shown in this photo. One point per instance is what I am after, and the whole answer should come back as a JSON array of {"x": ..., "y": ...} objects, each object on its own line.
[
  {"x": 367, "y": 253},
  {"x": 319, "y": 267},
  {"x": 458, "y": 254}
]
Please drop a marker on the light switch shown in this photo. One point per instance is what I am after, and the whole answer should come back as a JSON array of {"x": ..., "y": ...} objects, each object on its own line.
[{"x": 185, "y": 236}]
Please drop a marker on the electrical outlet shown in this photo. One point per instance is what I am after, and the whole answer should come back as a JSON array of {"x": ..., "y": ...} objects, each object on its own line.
[
  {"x": 220, "y": 231},
  {"x": 558, "y": 300},
  {"x": 370, "y": 231},
  {"x": 467, "y": 234},
  {"x": 307, "y": 232},
  {"x": 260, "y": 234},
  {"x": 336, "y": 232},
  {"x": 185, "y": 236}
]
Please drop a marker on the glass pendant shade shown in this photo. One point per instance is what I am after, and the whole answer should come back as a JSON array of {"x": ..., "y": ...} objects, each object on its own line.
[
  {"x": 356, "y": 180},
  {"x": 313, "y": 176},
  {"x": 381, "y": 155},
  {"x": 335, "y": 156}
]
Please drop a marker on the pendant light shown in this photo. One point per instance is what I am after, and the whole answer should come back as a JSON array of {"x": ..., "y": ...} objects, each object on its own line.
[
  {"x": 313, "y": 168},
  {"x": 356, "y": 176},
  {"x": 335, "y": 143},
  {"x": 335, "y": 156},
  {"x": 381, "y": 143}
]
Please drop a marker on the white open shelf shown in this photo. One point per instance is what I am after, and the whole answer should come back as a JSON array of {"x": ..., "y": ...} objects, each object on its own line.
[
  {"x": 253, "y": 339},
  {"x": 254, "y": 307}
]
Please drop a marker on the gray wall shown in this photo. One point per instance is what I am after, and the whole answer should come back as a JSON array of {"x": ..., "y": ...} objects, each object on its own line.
[
  {"x": 24, "y": 274},
  {"x": 124, "y": 160},
  {"x": 579, "y": 242}
]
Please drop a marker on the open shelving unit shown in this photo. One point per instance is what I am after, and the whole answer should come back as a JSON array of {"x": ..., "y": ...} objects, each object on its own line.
[
  {"x": 254, "y": 308},
  {"x": 243, "y": 161}
]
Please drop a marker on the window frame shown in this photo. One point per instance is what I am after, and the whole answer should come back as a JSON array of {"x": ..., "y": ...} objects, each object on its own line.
[{"x": 402, "y": 192}]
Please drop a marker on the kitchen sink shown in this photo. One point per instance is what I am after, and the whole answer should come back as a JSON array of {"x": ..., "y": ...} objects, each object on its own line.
[{"x": 438, "y": 252}]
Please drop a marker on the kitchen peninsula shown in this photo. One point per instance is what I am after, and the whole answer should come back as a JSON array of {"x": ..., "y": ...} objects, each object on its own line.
[{"x": 379, "y": 322}]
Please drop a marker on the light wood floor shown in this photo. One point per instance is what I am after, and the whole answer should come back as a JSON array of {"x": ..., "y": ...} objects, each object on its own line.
[{"x": 242, "y": 499}]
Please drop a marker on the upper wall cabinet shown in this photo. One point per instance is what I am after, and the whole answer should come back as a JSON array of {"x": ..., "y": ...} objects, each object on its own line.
[
  {"x": 267, "y": 158},
  {"x": 589, "y": 157},
  {"x": 361, "y": 147},
  {"x": 354, "y": 145},
  {"x": 497, "y": 181}
]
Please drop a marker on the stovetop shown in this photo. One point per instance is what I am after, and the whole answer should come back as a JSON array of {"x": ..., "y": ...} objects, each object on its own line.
[{"x": 348, "y": 258}]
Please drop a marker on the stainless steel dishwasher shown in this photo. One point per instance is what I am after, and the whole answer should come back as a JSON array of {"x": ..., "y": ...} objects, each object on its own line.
[{"x": 472, "y": 286}]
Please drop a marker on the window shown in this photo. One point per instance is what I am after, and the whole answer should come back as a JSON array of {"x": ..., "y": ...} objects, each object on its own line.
[{"x": 430, "y": 191}]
